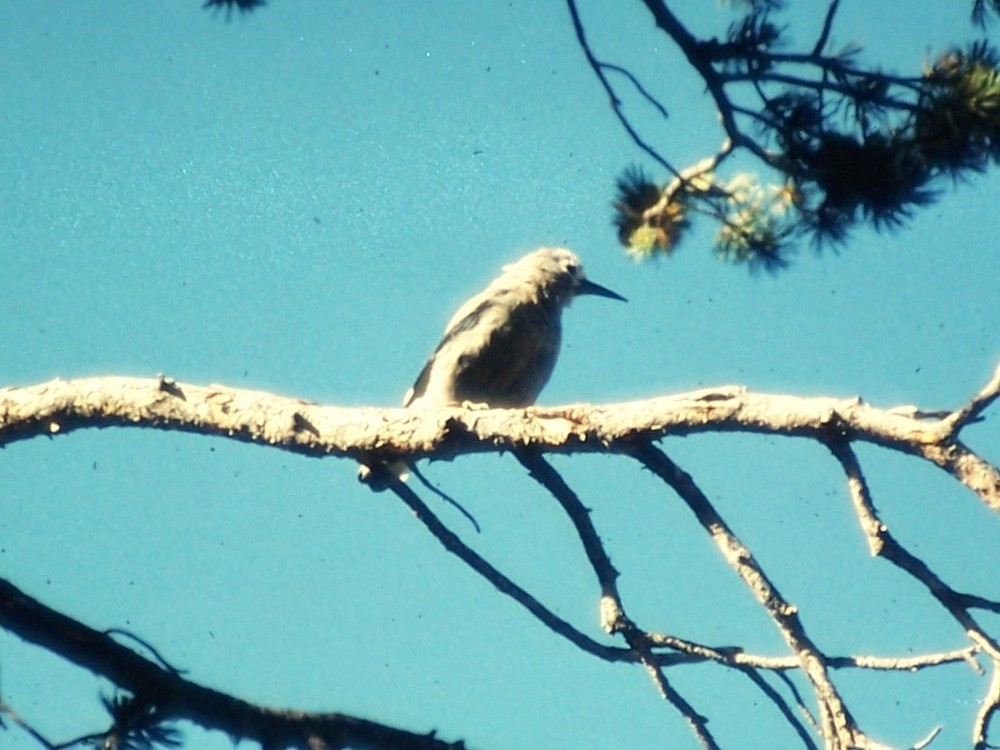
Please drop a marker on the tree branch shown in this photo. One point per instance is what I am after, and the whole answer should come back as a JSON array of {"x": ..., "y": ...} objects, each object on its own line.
[
  {"x": 453, "y": 544},
  {"x": 882, "y": 543},
  {"x": 689, "y": 46},
  {"x": 176, "y": 697},
  {"x": 616, "y": 104},
  {"x": 972, "y": 410},
  {"x": 824, "y": 35},
  {"x": 59, "y": 407},
  {"x": 613, "y": 617},
  {"x": 839, "y": 730},
  {"x": 783, "y": 707}
]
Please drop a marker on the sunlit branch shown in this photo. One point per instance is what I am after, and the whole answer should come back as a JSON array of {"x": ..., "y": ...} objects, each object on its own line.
[
  {"x": 60, "y": 407},
  {"x": 883, "y": 544},
  {"x": 989, "y": 705},
  {"x": 838, "y": 726}
]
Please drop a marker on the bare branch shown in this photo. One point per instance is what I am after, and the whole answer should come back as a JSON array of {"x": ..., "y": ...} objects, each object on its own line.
[
  {"x": 613, "y": 617},
  {"x": 176, "y": 697},
  {"x": 928, "y": 739},
  {"x": 813, "y": 85},
  {"x": 59, "y": 407},
  {"x": 637, "y": 85},
  {"x": 799, "y": 701},
  {"x": 882, "y": 543},
  {"x": 782, "y": 705},
  {"x": 988, "y": 707},
  {"x": 741, "y": 659},
  {"x": 453, "y": 544},
  {"x": 41, "y": 739},
  {"x": 688, "y": 45},
  {"x": 839, "y": 729},
  {"x": 616, "y": 104},
  {"x": 824, "y": 35},
  {"x": 972, "y": 410},
  {"x": 612, "y": 613}
]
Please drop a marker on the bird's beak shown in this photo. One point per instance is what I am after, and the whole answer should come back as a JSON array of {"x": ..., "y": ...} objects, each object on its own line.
[{"x": 589, "y": 287}]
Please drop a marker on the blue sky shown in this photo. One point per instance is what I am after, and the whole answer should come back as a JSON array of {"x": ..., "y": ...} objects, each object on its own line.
[{"x": 297, "y": 201}]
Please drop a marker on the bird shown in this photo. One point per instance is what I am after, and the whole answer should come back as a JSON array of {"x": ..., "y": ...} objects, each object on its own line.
[{"x": 501, "y": 346}]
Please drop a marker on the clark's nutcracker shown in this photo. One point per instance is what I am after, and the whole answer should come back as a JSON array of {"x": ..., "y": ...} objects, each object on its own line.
[{"x": 501, "y": 346}]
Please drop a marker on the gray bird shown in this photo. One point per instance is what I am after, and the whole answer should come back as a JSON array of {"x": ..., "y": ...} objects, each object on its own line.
[{"x": 501, "y": 346}]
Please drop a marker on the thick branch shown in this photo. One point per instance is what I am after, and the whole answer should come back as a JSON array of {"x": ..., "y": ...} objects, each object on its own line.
[
  {"x": 176, "y": 697},
  {"x": 59, "y": 407}
]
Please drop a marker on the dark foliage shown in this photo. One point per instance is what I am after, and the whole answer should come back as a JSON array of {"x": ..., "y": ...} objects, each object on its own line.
[
  {"x": 136, "y": 726},
  {"x": 243, "y": 6},
  {"x": 849, "y": 142}
]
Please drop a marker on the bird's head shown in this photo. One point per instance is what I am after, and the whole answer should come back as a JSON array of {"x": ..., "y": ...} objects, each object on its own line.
[{"x": 556, "y": 273}]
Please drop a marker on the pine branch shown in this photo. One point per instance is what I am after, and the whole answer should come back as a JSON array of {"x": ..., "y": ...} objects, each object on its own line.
[{"x": 59, "y": 407}]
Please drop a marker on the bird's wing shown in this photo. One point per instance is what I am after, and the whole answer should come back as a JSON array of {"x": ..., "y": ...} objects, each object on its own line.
[
  {"x": 467, "y": 317},
  {"x": 420, "y": 386}
]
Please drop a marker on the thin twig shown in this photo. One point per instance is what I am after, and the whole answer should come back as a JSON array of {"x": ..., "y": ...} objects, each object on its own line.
[
  {"x": 824, "y": 35},
  {"x": 714, "y": 82},
  {"x": 689, "y": 653},
  {"x": 989, "y": 704},
  {"x": 800, "y": 702},
  {"x": 149, "y": 647},
  {"x": 41, "y": 739},
  {"x": 616, "y": 104},
  {"x": 837, "y": 66},
  {"x": 446, "y": 497},
  {"x": 782, "y": 705},
  {"x": 920, "y": 745},
  {"x": 453, "y": 544},
  {"x": 613, "y": 617},
  {"x": 643, "y": 91},
  {"x": 820, "y": 86},
  {"x": 542, "y": 472},
  {"x": 979, "y": 403}
]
